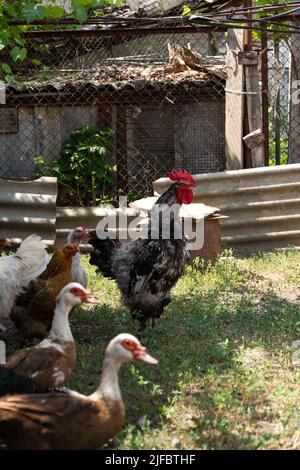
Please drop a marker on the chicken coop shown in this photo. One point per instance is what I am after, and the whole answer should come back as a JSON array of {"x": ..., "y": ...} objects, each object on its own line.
[{"x": 161, "y": 92}]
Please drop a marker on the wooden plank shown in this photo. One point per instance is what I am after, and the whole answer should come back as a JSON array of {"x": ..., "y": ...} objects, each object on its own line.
[
  {"x": 48, "y": 122},
  {"x": 9, "y": 119},
  {"x": 248, "y": 58},
  {"x": 234, "y": 102},
  {"x": 121, "y": 148},
  {"x": 254, "y": 111},
  {"x": 254, "y": 138},
  {"x": 18, "y": 149}
]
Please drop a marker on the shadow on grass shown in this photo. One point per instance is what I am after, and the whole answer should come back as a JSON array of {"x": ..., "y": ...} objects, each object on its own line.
[{"x": 200, "y": 333}]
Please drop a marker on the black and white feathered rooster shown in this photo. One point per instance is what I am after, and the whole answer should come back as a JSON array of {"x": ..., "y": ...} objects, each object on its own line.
[{"x": 147, "y": 268}]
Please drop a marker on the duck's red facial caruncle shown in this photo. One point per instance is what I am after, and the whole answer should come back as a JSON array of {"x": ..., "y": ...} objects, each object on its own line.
[
  {"x": 138, "y": 351},
  {"x": 84, "y": 295},
  {"x": 80, "y": 233}
]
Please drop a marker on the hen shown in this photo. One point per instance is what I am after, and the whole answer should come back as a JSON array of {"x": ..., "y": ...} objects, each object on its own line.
[
  {"x": 17, "y": 270},
  {"x": 77, "y": 272},
  {"x": 147, "y": 268},
  {"x": 33, "y": 311}
]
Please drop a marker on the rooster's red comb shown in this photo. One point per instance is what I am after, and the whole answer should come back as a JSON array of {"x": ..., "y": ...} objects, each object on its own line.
[{"x": 182, "y": 175}]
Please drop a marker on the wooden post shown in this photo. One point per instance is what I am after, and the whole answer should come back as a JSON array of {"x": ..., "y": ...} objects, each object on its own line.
[
  {"x": 121, "y": 148},
  {"x": 247, "y": 47},
  {"x": 234, "y": 102},
  {"x": 253, "y": 103}
]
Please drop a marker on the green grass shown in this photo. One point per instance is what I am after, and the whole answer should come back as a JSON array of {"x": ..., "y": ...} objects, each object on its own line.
[{"x": 225, "y": 378}]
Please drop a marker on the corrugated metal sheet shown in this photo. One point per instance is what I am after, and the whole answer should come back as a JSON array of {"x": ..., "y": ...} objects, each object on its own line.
[
  {"x": 68, "y": 218},
  {"x": 28, "y": 207},
  {"x": 262, "y": 205}
]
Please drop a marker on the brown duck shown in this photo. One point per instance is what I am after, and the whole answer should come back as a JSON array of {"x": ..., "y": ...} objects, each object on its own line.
[
  {"x": 51, "y": 362},
  {"x": 72, "y": 421}
]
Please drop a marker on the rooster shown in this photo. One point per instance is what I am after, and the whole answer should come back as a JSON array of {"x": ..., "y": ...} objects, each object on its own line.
[
  {"x": 147, "y": 268},
  {"x": 34, "y": 309},
  {"x": 17, "y": 270}
]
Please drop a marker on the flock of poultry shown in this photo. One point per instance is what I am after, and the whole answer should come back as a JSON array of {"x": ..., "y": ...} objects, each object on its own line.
[{"x": 37, "y": 295}]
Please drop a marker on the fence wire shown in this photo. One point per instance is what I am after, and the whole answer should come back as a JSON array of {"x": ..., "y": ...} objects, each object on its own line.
[{"x": 163, "y": 111}]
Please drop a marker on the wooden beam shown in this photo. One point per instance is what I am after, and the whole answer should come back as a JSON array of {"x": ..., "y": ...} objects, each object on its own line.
[
  {"x": 248, "y": 58},
  {"x": 254, "y": 139},
  {"x": 254, "y": 111},
  {"x": 121, "y": 148},
  {"x": 9, "y": 119},
  {"x": 234, "y": 102}
]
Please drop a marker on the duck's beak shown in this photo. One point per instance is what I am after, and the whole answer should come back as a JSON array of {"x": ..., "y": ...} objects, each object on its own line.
[
  {"x": 141, "y": 354},
  {"x": 90, "y": 299}
]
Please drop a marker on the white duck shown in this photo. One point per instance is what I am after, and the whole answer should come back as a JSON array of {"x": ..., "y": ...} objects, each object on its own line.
[{"x": 78, "y": 274}]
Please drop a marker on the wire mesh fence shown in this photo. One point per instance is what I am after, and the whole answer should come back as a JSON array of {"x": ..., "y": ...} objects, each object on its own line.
[
  {"x": 163, "y": 113},
  {"x": 283, "y": 105},
  {"x": 281, "y": 132},
  {"x": 161, "y": 91}
]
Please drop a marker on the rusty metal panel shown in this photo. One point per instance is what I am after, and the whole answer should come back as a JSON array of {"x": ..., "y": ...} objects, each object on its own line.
[
  {"x": 28, "y": 207},
  {"x": 262, "y": 205}
]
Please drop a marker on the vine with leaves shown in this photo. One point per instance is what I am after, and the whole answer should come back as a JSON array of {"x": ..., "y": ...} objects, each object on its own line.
[{"x": 11, "y": 37}]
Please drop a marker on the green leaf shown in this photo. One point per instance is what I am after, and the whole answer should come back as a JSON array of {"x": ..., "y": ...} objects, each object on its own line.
[
  {"x": 18, "y": 53},
  {"x": 19, "y": 41},
  {"x": 86, "y": 3},
  {"x": 2, "y": 43},
  {"x": 33, "y": 12},
  {"x": 37, "y": 62},
  {"x": 9, "y": 9},
  {"x": 80, "y": 13},
  {"x": 6, "y": 69},
  {"x": 54, "y": 12}
]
